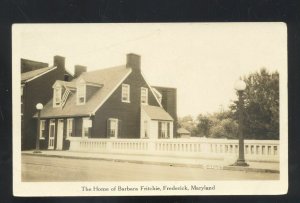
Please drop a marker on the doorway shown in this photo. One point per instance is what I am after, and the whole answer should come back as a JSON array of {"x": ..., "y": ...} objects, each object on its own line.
[
  {"x": 51, "y": 134},
  {"x": 60, "y": 131}
]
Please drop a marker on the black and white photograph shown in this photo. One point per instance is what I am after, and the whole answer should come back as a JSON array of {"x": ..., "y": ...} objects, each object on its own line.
[{"x": 149, "y": 109}]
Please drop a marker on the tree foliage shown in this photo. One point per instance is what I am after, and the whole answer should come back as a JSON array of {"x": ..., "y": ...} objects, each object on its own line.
[
  {"x": 204, "y": 125},
  {"x": 261, "y": 105},
  {"x": 261, "y": 113},
  {"x": 217, "y": 125}
]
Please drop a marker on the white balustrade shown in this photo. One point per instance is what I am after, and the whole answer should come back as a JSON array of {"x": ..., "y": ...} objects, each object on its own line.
[{"x": 256, "y": 150}]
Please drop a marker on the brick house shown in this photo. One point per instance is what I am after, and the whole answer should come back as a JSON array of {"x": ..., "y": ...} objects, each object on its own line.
[
  {"x": 113, "y": 103},
  {"x": 37, "y": 79}
]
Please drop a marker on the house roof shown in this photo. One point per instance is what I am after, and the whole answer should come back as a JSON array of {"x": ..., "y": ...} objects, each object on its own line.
[
  {"x": 109, "y": 78},
  {"x": 34, "y": 73},
  {"x": 30, "y": 65},
  {"x": 157, "y": 113},
  {"x": 183, "y": 131}
]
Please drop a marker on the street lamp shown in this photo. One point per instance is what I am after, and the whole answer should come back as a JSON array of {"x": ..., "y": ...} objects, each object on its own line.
[
  {"x": 39, "y": 107},
  {"x": 240, "y": 87}
]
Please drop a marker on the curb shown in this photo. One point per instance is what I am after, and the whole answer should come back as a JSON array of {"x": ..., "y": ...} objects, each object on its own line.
[{"x": 202, "y": 166}]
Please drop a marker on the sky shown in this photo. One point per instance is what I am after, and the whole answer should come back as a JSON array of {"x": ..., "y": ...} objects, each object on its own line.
[{"x": 201, "y": 60}]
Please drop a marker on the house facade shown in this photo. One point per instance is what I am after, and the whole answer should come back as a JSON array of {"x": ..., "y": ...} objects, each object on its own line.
[
  {"x": 112, "y": 103},
  {"x": 37, "y": 79}
]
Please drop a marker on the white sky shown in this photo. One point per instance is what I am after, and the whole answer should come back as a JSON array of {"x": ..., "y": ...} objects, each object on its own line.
[{"x": 201, "y": 60}]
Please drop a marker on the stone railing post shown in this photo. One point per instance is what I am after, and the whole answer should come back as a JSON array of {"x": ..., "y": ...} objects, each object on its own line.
[{"x": 151, "y": 146}]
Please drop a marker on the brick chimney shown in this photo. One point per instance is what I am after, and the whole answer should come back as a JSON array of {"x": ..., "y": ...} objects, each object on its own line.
[
  {"x": 59, "y": 61},
  {"x": 79, "y": 70},
  {"x": 134, "y": 62}
]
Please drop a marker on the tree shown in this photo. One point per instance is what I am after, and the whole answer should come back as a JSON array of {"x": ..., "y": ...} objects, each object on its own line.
[
  {"x": 261, "y": 105},
  {"x": 217, "y": 125},
  {"x": 204, "y": 125}
]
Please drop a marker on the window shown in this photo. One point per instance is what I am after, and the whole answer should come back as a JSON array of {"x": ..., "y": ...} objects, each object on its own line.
[
  {"x": 57, "y": 96},
  {"x": 146, "y": 129},
  {"x": 42, "y": 129},
  {"x": 86, "y": 125},
  {"x": 144, "y": 95},
  {"x": 69, "y": 127},
  {"x": 125, "y": 93},
  {"x": 81, "y": 88},
  {"x": 22, "y": 87},
  {"x": 163, "y": 130},
  {"x": 112, "y": 128}
]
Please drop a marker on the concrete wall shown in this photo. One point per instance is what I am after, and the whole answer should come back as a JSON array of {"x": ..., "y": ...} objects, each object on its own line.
[{"x": 198, "y": 148}]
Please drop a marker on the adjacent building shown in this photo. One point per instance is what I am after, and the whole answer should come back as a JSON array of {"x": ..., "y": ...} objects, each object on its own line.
[
  {"x": 168, "y": 98},
  {"x": 112, "y": 103},
  {"x": 37, "y": 79},
  {"x": 183, "y": 133}
]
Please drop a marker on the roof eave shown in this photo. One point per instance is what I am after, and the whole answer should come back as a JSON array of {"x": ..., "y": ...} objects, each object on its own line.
[
  {"x": 63, "y": 116},
  {"x": 43, "y": 73}
]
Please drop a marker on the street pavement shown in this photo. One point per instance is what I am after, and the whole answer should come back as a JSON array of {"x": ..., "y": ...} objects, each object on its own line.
[
  {"x": 164, "y": 160},
  {"x": 50, "y": 168}
]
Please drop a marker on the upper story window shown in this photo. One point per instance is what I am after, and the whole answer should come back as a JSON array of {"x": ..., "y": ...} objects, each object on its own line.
[
  {"x": 125, "y": 93},
  {"x": 57, "y": 96},
  {"x": 144, "y": 95},
  {"x": 81, "y": 92}
]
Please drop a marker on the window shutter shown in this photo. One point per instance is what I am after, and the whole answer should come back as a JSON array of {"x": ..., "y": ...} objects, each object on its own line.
[
  {"x": 108, "y": 128},
  {"x": 159, "y": 129},
  {"x": 46, "y": 128},
  {"x": 168, "y": 130},
  {"x": 119, "y": 128},
  {"x": 73, "y": 127},
  {"x": 80, "y": 126}
]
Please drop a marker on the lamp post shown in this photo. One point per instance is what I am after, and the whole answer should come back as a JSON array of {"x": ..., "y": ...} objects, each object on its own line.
[
  {"x": 240, "y": 87},
  {"x": 39, "y": 107}
]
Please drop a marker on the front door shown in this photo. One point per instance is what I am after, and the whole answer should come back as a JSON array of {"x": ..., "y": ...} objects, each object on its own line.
[
  {"x": 51, "y": 134},
  {"x": 60, "y": 130}
]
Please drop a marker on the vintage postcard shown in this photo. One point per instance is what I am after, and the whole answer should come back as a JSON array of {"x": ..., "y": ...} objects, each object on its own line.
[{"x": 150, "y": 109}]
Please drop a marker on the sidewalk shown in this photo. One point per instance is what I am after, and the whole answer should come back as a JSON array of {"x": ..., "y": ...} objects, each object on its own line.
[{"x": 162, "y": 160}]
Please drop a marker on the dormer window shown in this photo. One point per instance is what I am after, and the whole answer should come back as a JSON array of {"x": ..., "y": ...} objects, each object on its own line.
[
  {"x": 125, "y": 93},
  {"x": 81, "y": 92},
  {"x": 57, "y": 96},
  {"x": 144, "y": 95}
]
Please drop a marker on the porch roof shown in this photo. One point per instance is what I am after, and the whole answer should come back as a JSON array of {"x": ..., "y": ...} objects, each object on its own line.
[{"x": 157, "y": 113}]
